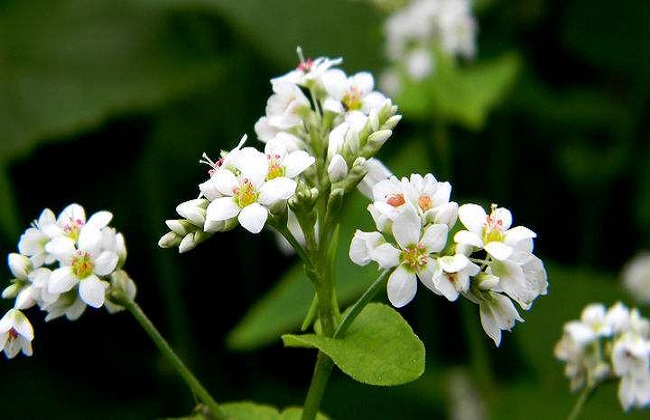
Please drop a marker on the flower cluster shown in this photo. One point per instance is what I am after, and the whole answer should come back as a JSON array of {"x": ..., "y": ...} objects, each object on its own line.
[
  {"x": 64, "y": 264},
  {"x": 487, "y": 262},
  {"x": 604, "y": 344},
  {"x": 418, "y": 32},
  {"x": 320, "y": 133}
]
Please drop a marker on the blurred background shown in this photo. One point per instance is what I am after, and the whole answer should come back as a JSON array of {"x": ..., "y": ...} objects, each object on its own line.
[{"x": 110, "y": 104}]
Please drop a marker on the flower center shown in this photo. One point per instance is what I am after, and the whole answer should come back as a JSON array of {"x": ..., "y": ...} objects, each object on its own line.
[
  {"x": 305, "y": 65},
  {"x": 276, "y": 170},
  {"x": 352, "y": 99},
  {"x": 12, "y": 334},
  {"x": 414, "y": 257},
  {"x": 425, "y": 202},
  {"x": 396, "y": 200},
  {"x": 493, "y": 229},
  {"x": 72, "y": 228},
  {"x": 245, "y": 194},
  {"x": 82, "y": 264}
]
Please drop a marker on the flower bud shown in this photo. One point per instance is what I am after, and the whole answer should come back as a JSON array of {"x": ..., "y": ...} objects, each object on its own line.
[
  {"x": 170, "y": 240},
  {"x": 337, "y": 169}
]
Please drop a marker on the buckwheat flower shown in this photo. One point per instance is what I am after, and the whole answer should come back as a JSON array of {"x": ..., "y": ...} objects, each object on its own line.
[
  {"x": 248, "y": 195},
  {"x": 636, "y": 277},
  {"x": 377, "y": 171},
  {"x": 522, "y": 276},
  {"x": 32, "y": 242},
  {"x": 431, "y": 198},
  {"x": 337, "y": 168},
  {"x": 83, "y": 265},
  {"x": 497, "y": 313},
  {"x": 492, "y": 231},
  {"x": 69, "y": 304},
  {"x": 72, "y": 219},
  {"x": 122, "y": 283},
  {"x": 419, "y": 63},
  {"x": 287, "y": 106},
  {"x": 363, "y": 246},
  {"x": 345, "y": 136},
  {"x": 631, "y": 362},
  {"x": 351, "y": 93},
  {"x": 29, "y": 287},
  {"x": 412, "y": 256},
  {"x": 16, "y": 334},
  {"x": 308, "y": 72},
  {"x": 453, "y": 275},
  {"x": 283, "y": 163}
]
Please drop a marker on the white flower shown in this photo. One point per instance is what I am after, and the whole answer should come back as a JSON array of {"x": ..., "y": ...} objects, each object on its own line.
[
  {"x": 69, "y": 304},
  {"x": 377, "y": 171},
  {"x": 636, "y": 277},
  {"x": 248, "y": 195},
  {"x": 412, "y": 257},
  {"x": 351, "y": 93},
  {"x": 497, "y": 313},
  {"x": 419, "y": 63},
  {"x": 16, "y": 334},
  {"x": 363, "y": 246},
  {"x": 337, "y": 168},
  {"x": 453, "y": 275},
  {"x": 492, "y": 231},
  {"x": 83, "y": 265},
  {"x": 522, "y": 277},
  {"x": 308, "y": 72},
  {"x": 286, "y": 107},
  {"x": 282, "y": 163},
  {"x": 32, "y": 242},
  {"x": 631, "y": 361}
]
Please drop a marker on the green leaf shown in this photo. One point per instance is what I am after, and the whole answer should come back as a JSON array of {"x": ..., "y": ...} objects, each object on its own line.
[
  {"x": 460, "y": 94},
  {"x": 84, "y": 63},
  {"x": 284, "y": 307},
  {"x": 248, "y": 410},
  {"x": 320, "y": 28},
  {"x": 380, "y": 347}
]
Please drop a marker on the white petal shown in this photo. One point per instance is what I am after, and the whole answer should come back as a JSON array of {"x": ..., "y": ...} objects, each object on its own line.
[
  {"x": 276, "y": 189},
  {"x": 407, "y": 228},
  {"x": 466, "y": 237},
  {"x": 296, "y": 163},
  {"x": 401, "y": 287},
  {"x": 517, "y": 234},
  {"x": 61, "y": 247},
  {"x": 504, "y": 215},
  {"x": 498, "y": 250},
  {"x": 100, "y": 219},
  {"x": 455, "y": 263},
  {"x": 446, "y": 288},
  {"x": 473, "y": 217},
  {"x": 105, "y": 263},
  {"x": 62, "y": 280},
  {"x": 434, "y": 237},
  {"x": 225, "y": 181},
  {"x": 386, "y": 255},
  {"x": 22, "y": 325},
  {"x": 90, "y": 238},
  {"x": 74, "y": 212},
  {"x": 222, "y": 208},
  {"x": 75, "y": 310},
  {"x": 92, "y": 291},
  {"x": 253, "y": 217},
  {"x": 19, "y": 265},
  {"x": 363, "y": 243}
]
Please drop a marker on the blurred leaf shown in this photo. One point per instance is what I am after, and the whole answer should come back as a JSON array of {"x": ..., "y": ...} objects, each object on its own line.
[
  {"x": 295, "y": 413},
  {"x": 69, "y": 65},
  {"x": 277, "y": 27},
  {"x": 460, "y": 94},
  {"x": 283, "y": 308},
  {"x": 380, "y": 347},
  {"x": 609, "y": 34}
]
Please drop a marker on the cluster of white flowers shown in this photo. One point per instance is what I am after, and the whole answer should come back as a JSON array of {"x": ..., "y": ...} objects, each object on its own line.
[
  {"x": 64, "y": 264},
  {"x": 488, "y": 262},
  {"x": 420, "y": 30},
  {"x": 320, "y": 132},
  {"x": 607, "y": 344},
  {"x": 636, "y": 277}
]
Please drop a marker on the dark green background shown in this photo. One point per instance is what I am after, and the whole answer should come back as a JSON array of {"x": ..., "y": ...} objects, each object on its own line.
[{"x": 110, "y": 104}]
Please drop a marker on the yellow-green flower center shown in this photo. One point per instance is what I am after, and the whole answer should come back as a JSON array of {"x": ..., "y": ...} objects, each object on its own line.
[
  {"x": 276, "y": 170},
  {"x": 493, "y": 228},
  {"x": 82, "y": 264},
  {"x": 72, "y": 228},
  {"x": 245, "y": 194},
  {"x": 352, "y": 99},
  {"x": 414, "y": 257}
]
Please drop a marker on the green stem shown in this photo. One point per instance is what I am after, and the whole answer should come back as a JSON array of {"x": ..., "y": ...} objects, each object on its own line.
[
  {"x": 317, "y": 386},
  {"x": 584, "y": 397},
  {"x": 356, "y": 309},
  {"x": 169, "y": 354}
]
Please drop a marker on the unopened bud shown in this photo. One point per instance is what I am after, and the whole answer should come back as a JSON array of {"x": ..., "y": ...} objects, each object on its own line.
[
  {"x": 170, "y": 240},
  {"x": 337, "y": 169}
]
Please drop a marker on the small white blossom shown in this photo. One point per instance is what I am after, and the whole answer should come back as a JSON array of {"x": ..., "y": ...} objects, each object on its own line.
[
  {"x": 16, "y": 334},
  {"x": 636, "y": 277}
]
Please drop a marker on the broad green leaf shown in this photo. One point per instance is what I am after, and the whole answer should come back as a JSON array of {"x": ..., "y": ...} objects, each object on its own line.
[
  {"x": 284, "y": 307},
  {"x": 248, "y": 410},
  {"x": 85, "y": 62},
  {"x": 380, "y": 347},
  {"x": 460, "y": 94},
  {"x": 276, "y": 27}
]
